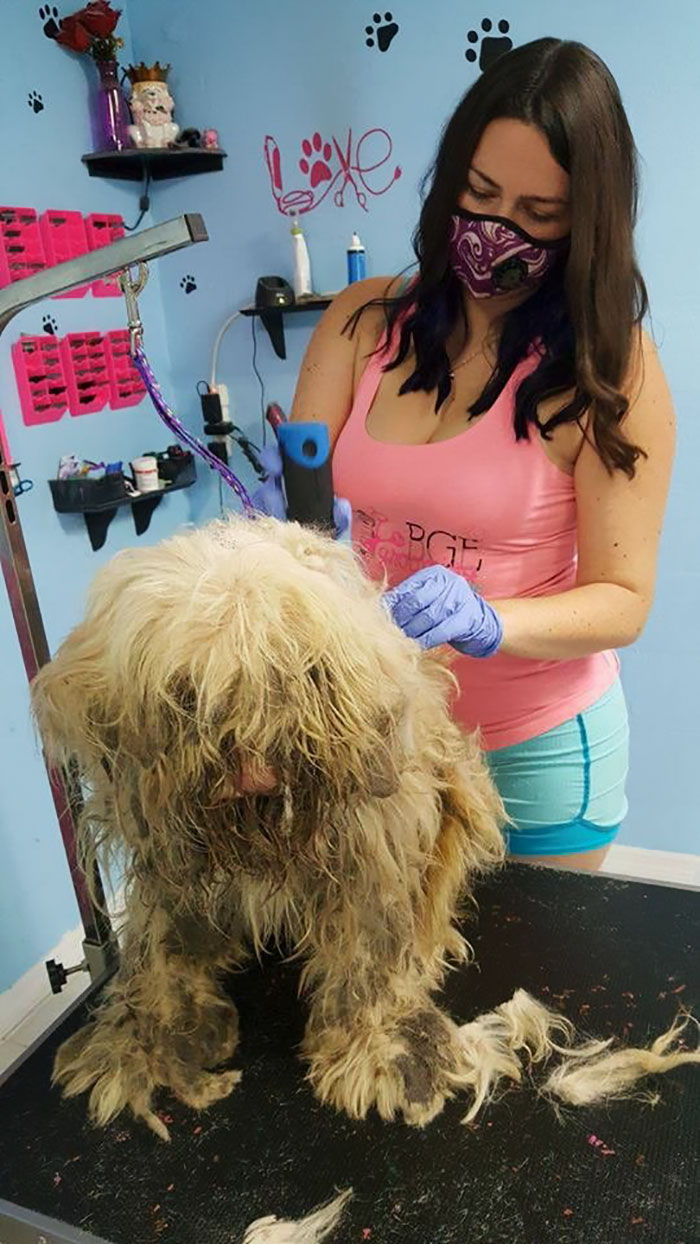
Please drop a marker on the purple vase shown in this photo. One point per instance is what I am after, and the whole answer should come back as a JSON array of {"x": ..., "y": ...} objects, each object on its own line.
[{"x": 111, "y": 117}]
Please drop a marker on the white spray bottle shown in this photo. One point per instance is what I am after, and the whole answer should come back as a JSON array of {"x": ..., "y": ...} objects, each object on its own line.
[{"x": 301, "y": 279}]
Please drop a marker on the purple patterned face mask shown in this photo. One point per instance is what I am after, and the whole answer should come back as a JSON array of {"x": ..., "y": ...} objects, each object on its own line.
[{"x": 491, "y": 255}]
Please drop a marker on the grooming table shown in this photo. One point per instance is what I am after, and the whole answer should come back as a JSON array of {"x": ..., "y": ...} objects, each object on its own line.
[{"x": 615, "y": 956}]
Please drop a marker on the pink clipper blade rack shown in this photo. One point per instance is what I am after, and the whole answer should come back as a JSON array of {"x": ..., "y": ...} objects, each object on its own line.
[
  {"x": 21, "y": 247},
  {"x": 85, "y": 369},
  {"x": 126, "y": 386},
  {"x": 41, "y": 381},
  {"x": 64, "y": 237},
  {"x": 103, "y": 229}
]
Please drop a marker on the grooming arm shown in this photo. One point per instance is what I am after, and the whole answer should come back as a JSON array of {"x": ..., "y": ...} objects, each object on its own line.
[{"x": 163, "y": 239}]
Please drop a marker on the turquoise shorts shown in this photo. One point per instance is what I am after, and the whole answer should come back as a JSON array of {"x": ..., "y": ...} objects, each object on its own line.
[{"x": 565, "y": 790}]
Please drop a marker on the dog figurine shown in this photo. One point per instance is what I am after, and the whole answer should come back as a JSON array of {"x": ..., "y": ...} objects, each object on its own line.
[{"x": 267, "y": 758}]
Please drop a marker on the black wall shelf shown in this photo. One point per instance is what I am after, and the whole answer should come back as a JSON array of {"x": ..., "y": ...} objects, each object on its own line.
[
  {"x": 98, "y": 517},
  {"x": 274, "y": 323},
  {"x": 159, "y": 162}
]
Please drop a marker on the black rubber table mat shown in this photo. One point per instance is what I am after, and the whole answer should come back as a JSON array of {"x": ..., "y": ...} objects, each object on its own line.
[{"x": 614, "y": 956}]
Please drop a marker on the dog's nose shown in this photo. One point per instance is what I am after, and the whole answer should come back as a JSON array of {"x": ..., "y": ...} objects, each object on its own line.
[
  {"x": 254, "y": 780},
  {"x": 257, "y": 780}
]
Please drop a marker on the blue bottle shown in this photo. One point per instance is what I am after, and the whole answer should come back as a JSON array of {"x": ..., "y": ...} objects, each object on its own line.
[{"x": 357, "y": 260}]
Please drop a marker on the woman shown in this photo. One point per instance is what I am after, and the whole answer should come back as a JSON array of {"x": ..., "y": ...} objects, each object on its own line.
[{"x": 504, "y": 434}]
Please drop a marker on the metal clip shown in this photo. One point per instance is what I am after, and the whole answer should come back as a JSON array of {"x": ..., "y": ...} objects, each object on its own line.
[{"x": 131, "y": 288}]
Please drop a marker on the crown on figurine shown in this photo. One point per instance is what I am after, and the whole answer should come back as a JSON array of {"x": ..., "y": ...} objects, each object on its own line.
[{"x": 147, "y": 73}]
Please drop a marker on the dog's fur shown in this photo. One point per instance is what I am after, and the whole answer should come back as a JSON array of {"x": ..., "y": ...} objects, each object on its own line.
[{"x": 204, "y": 665}]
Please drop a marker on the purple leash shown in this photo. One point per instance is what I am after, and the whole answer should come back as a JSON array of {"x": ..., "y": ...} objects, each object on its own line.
[{"x": 171, "y": 421}]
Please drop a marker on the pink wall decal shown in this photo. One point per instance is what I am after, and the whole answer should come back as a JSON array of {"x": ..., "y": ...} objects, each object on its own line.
[{"x": 327, "y": 166}]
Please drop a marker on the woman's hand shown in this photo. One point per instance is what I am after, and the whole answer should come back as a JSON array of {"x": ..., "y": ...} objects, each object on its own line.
[
  {"x": 437, "y": 606},
  {"x": 269, "y": 498}
]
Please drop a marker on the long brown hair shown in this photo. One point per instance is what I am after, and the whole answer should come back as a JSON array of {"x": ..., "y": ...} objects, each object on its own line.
[{"x": 586, "y": 312}]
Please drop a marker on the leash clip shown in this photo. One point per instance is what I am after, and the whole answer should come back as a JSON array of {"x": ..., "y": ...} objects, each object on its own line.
[{"x": 131, "y": 287}]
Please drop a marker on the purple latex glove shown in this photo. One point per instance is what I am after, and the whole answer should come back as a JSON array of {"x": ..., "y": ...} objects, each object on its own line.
[
  {"x": 269, "y": 498},
  {"x": 437, "y": 606}
]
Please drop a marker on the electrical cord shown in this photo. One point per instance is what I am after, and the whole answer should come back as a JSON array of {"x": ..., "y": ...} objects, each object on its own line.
[
  {"x": 261, "y": 382},
  {"x": 217, "y": 346},
  {"x": 215, "y": 362},
  {"x": 250, "y": 450},
  {"x": 144, "y": 201},
  {"x": 247, "y": 446}
]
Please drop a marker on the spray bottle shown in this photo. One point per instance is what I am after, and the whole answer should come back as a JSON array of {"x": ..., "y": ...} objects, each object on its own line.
[
  {"x": 357, "y": 267},
  {"x": 301, "y": 279}
]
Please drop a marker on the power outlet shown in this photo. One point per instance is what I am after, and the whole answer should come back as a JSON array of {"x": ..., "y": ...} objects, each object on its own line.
[{"x": 222, "y": 390}]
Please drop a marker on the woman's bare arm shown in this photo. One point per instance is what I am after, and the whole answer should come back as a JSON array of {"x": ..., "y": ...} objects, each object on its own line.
[
  {"x": 619, "y": 528},
  {"x": 333, "y": 359}
]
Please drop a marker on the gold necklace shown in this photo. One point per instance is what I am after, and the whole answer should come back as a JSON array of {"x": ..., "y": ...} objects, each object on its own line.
[{"x": 468, "y": 359}]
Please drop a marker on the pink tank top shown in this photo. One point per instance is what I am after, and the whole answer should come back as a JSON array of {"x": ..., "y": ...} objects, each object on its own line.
[{"x": 498, "y": 512}]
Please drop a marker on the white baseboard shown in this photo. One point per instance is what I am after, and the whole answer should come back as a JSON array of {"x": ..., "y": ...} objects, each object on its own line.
[
  {"x": 663, "y": 867},
  {"x": 32, "y": 992},
  {"x": 32, "y": 989}
]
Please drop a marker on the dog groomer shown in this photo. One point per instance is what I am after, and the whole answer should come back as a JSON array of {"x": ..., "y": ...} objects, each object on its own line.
[{"x": 504, "y": 434}]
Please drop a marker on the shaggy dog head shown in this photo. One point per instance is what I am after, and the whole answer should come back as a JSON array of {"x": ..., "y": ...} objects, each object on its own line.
[{"x": 229, "y": 689}]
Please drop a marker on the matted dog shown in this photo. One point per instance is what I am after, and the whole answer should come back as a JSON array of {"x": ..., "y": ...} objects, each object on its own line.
[{"x": 267, "y": 757}]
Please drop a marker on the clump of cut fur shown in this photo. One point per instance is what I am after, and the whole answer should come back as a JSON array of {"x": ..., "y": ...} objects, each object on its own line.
[
  {"x": 310, "y": 1230},
  {"x": 492, "y": 1044},
  {"x": 595, "y": 1073},
  {"x": 588, "y": 1072}
]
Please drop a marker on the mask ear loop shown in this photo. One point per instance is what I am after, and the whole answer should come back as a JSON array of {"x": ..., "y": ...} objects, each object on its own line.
[{"x": 131, "y": 287}]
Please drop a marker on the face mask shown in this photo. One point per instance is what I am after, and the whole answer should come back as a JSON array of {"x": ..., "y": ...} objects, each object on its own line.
[{"x": 491, "y": 255}]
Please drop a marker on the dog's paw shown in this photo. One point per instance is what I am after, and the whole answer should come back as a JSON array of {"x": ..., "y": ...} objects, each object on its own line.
[
  {"x": 115, "y": 1071},
  {"x": 404, "y": 1072},
  {"x": 430, "y": 1053},
  {"x": 210, "y": 1038},
  {"x": 411, "y": 1089},
  {"x": 121, "y": 1066},
  {"x": 206, "y": 1087}
]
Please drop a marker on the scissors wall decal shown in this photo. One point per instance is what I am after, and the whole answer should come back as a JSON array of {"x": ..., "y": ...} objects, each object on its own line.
[{"x": 327, "y": 166}]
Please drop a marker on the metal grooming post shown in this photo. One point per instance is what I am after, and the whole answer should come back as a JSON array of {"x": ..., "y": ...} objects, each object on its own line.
[{"x": 99, "y": 946}]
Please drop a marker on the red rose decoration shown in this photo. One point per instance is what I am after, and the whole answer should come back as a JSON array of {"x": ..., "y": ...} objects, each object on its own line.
[
  {"x": 91, "y": 29},
  {"x": 73, "y": 34},
  {"x": 99, "y": 18}
]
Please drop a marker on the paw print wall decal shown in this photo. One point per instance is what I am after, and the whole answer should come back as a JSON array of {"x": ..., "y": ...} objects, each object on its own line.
[
  {"x": 314, "y": 163},
  {"x": 492, "y": 46},
  {"x": 35, "y": 101},
  {"x": 188, "y": 283},
  {"x": 382, "y": 34},
  {"x": 51, "y": 22},
  {"x": 339, "y": 164}
]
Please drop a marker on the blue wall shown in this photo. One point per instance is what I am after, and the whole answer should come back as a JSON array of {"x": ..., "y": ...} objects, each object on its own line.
[
  {"x": 41, "y": 168},
  {"x": 260, "y": 70}
]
